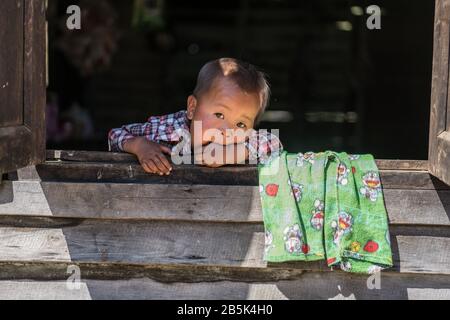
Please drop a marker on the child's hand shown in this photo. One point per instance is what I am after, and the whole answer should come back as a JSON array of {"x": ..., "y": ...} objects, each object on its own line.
[
  {"x": 231, "y": 154},
  {"x": 150, "y": 155}
]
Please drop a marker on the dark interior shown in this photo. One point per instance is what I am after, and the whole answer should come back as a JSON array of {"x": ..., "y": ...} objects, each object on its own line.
[{"x": 336, "y": 85}]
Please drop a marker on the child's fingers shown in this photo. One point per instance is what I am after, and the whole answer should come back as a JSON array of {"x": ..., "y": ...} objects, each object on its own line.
[
  {"x": 161, "y": 167},
  {"x": 147, "y": 167},
  {"x": 152, "y": 166},
  {"x": 165, "y": 162},
  {"x": 166, "y": 149}
]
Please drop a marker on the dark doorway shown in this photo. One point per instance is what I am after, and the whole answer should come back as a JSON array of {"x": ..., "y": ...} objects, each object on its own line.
[{"x": 335, "y": 84}]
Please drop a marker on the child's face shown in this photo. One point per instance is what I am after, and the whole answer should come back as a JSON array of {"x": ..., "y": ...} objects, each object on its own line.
[{"x": 224, "y": 107}]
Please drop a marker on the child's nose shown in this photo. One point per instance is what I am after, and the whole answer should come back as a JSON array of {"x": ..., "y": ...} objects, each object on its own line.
[
  {"x": 228, "y": 135},
  {"x": 227, "y": 132}
]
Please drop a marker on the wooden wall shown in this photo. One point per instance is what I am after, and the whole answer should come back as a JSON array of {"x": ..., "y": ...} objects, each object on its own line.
[{"x": 131, "y": 238}]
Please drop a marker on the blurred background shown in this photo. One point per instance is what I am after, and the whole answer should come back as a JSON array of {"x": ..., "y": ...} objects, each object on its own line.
[{"x": 335, "y": 84}]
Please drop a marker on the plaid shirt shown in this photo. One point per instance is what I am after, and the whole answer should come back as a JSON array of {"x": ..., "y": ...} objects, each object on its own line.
[{"x": 170, "y": 129}]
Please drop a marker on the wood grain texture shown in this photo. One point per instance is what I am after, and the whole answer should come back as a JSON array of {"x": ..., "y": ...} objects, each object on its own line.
[
  {"x": 67, "y": 171},
  {"x": 442, "y": 163},
  {"x": 439, "y": 147},
  {"x": 312, "y": 285},
  {"x": 415, "y": 250},
  {"x": 35, "y": 78},
  {"x": 411, "y": 180},
  {"x": 22, "y": 142},
  {"x": 187, "y": 202},
  {"x": 11, "y": 62},
  {"x": 114, "y": 157},
  {"x": 130, "y": 172}
]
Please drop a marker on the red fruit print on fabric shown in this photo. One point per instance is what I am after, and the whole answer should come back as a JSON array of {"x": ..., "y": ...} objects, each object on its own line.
[
  {"x": 331, "y": 261},
  {"x": 305, "y": 248},
  {"x": 272, "y": 189},
  {"x": 353, "y": 170},
  {"x": 371, "y": 246}
]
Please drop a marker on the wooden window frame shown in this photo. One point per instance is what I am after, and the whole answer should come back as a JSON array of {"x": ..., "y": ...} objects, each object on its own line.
[
  {"x": 25, "y": 144},
  {"x": 34, "y": 150},
  {"x": 439, "y": 138}
]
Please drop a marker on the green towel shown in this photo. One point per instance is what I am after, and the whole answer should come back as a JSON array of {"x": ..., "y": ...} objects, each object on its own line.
[{"x": 325, "y": 205}]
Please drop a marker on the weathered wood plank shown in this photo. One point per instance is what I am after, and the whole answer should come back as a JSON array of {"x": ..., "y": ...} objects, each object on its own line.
[
  {"x": 99, "y": 156},
  {"x": 130, "y": 201},
  {"x": 439, "y": 137},
  {"x": 410, "y": 165},
  {"x": 192, "y": 174},
  {"x": 11, "y": 63},
  {"x": 125, "y": 172},
  {"x": 22, "y": 84},
  {"x": 310, "y": 286},
  {"x": 199, "y": 202},
  {"x": 168, "y": 273},
  {"x": 412, "y": 180},
  {"x": 422, "y": 207},
  {"x": 90, "y": 156},
  {"x": 416, "y": 250}
]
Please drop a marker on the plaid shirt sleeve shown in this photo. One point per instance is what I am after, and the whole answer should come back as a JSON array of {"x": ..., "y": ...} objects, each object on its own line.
[
  {"x": 117, "y": 136},
  {"x": 157, "y": 128},
  {"x": 262, "y": 146}
]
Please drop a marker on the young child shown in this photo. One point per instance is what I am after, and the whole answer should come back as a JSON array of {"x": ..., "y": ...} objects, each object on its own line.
[{"x": 230, "y": 96}]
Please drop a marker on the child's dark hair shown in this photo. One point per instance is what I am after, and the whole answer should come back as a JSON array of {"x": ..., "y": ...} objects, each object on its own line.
[{"x": 244, "y": 74}]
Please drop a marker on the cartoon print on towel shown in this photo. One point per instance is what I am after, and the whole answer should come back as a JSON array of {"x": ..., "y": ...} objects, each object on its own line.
[
  {"x": 309, "y": 215},
  {"x": 346, "y": 266},
  {"x": 371, "y": 246},
  {"x": 261, "y": 188},
  {"x": 317, "y": 218},
  {"x": 293, "y": 239},
  {"x": 341, "y": 227},
  {"x": 296, "y": 190},
  {"x": 372, "y": 185},
  {"x": 353, "y": 157},
  {"x": 353, "y": 250},
  {"x": 342, "y": 174},
  {"x": 271, "y": 189},
  {"x": 302, "y": 158},
  {"x": 355, "y": 246}
]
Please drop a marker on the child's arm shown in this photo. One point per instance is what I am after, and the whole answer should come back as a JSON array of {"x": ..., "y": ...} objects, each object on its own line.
[
  {"x": 137, "y": 139},
  {"x": 259, "y": 148},
  {"x": 117, "y": 136}
]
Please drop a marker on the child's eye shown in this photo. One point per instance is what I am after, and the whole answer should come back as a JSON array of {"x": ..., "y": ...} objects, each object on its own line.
[
  {"x": 241, "y": 125},
  {"x": 219, "y": 115}
]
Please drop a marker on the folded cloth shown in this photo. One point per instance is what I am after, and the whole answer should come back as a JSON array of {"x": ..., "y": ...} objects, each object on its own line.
[{"x": 325, "y": 205}]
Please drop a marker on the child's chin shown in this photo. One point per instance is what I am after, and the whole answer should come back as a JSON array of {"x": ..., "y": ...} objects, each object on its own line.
[{"x": 204, "y": 144}]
